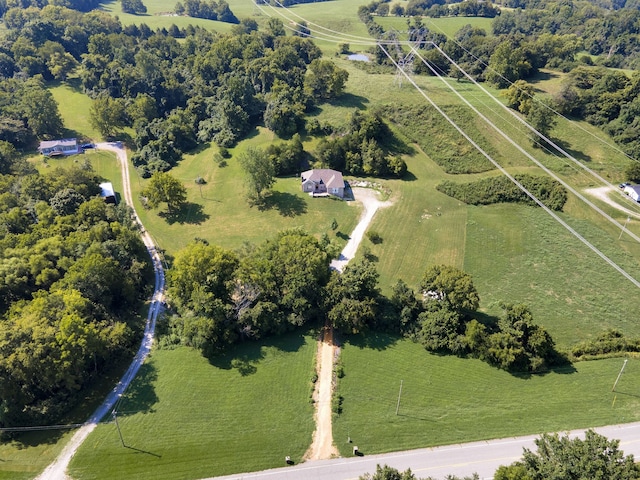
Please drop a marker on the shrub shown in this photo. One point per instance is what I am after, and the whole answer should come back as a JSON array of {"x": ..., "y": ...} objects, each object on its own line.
[
  {"x": 336, "y": 403},
  {"x": 608, "y": 342},
  {"x": 374, "y": 237}
]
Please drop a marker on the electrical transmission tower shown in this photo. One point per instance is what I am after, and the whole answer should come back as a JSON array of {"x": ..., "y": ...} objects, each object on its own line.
[{"x": 405, "y": 62}]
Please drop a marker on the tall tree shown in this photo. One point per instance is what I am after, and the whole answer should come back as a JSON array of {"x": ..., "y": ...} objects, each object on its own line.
[
  {"x": 164, "y": 188},
  {"x": 325, "y": 79},
  {"x": 107, "y": 115},
  {"x": 542, "y": 117},
  {"x": 260, "y": 172},
  {"x": 451, "y": 286},
  {"x": 200, "y": 274}
]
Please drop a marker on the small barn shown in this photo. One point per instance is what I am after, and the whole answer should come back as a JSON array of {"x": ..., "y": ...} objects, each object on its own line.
[
  {"x": 108, "y": 193},
  {"x": 323, "y": 182},
  {"x": 66, "y": 146},
  {"x": 633, "y": 191}
]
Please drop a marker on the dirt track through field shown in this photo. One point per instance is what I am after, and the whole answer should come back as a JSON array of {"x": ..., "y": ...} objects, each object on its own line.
[{"x": 322, "y": 447}]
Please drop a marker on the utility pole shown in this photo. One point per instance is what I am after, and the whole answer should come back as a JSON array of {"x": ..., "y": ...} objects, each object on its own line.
[
  {"x": 620, "y": 374},
  {"x": 399, "y": 395},
  {"x": 115, "y": 418},
  {"x": 624, "y": 227}
]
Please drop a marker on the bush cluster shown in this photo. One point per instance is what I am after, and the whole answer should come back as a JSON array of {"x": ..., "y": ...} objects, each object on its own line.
[
  {"x": 502, "y": 190},
  {"x": 607, "y": 343},
  {"x": 363, "y": 149}
]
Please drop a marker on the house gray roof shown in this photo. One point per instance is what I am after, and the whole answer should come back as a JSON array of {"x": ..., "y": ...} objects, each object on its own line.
[
  {"x": 330, "y": 178},
  {"x": 65, "y": 142}
]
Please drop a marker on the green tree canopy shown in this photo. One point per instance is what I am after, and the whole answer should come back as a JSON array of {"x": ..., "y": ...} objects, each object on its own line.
[
  {"x": 201, "y": 273},
  {"x": 260, "y": 173},
  {"x": 164, "y": 188},
  {"x": 564, "y": 458},
  {"x": 107, "y": 115},
  {"x": 452, "y": 286}
]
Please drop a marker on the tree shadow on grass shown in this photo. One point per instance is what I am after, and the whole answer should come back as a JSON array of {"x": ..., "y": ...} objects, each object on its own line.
[
  {"x": 191, "y": 213},
  {"x": 140, "y": 396},
  {"x": 246, "y": 357},
  {"x": 578, "y": 155},
  {"x": 350, "y": 100},
  {"x": 287, "y": 204},
  {"x": 372, "y": 340}
]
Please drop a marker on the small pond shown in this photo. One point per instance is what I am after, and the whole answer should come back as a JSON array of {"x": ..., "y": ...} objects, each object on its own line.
[{"x": 358, "y": 57}]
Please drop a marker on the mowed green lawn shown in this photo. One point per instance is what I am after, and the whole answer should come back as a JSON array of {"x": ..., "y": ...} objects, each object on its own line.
[
  {"x": 184, "y": 417},
  {"x": 27, "y": 456},
  {"x": 448, "y": 400},
  {"x": 219, "y": 212}
]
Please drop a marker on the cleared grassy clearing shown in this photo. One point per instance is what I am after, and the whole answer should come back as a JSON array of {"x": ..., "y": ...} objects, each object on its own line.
[
  {"x": 103, "y": 163},
  {"x": 219, "y": 213},
  {"x": 449, "y": 400},
  {"x": 185, "y": 417},
  {"x": 74, "y": 106},
  {"x": 519, "y": 254},
  {"x": 30, "y": 455},
  {"x": 160, "y": 15},
  {"x": 421, "y": 228}
]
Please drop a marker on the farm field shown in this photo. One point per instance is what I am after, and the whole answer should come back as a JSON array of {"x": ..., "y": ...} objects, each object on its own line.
[
  {"x": 448, "y": 400},
  {"x": 189, "y": 417}
]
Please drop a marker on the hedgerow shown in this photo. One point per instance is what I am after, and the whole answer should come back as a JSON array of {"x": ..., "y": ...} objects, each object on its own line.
[{"x": 502, "y": 190}]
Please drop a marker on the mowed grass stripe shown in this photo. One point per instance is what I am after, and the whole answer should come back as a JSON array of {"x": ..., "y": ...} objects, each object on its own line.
[
  {"x": 188, "y": 418},
  {"x": 421, "y": 228},
  {"x": 449, "y": 400},
  {"x": 519, "y": 254}
]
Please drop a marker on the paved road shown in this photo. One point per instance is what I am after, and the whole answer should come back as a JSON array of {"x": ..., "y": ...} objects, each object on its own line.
[
  {"x": 56, "y": 471},
  {"x": 463, "y": 459}
]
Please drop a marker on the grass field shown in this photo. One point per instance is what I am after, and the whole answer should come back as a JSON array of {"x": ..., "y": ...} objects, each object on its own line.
[
  {"x": 219, "y": 212},
  {"x": 184, "y": 417},
  {"x": 449, "y": 400}
]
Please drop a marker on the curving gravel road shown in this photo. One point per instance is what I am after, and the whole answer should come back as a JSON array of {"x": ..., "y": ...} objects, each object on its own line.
[{"x": 57, "y": 469}]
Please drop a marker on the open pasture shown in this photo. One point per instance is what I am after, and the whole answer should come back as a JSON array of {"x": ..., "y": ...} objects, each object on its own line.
[
  {"x": 188, "y": 417},
  {"x": 448, "y": 400}
]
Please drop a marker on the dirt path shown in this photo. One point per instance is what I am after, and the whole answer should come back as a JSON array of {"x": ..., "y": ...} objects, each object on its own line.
[
  {"x": 603, "y": 194},
  {"x": 57, "y": 469},
  {"x": 322, "y": 446}
]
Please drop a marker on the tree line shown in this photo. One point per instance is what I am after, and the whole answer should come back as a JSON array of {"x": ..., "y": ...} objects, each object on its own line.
[
  {"x": 73, "y": 273},
  {"x": 221, "y": 296}
]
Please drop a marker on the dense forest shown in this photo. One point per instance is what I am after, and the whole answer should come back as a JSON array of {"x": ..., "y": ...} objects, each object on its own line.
[{"x": 73, "y": 272}]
